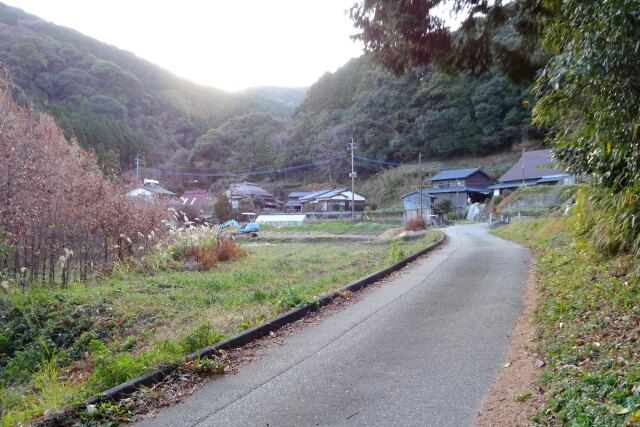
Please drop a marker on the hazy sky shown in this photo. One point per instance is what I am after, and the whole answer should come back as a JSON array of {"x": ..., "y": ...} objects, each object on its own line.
[{"x": 230, "y": 44}]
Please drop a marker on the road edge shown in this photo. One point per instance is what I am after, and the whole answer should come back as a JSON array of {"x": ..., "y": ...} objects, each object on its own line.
[
  {"x": 513, "y": 398},
  {"x": 239, "y": 339}
]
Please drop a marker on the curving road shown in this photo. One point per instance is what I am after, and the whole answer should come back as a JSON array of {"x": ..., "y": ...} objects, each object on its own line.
[{"x": 420, "y": 350}]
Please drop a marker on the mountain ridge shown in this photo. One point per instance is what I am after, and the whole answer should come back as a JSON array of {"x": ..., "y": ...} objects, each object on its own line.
[{"x": 109, "y": 99}]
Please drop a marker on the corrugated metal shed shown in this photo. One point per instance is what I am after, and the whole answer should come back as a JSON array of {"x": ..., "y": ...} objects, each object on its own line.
[
  {"x": 412, "y": 200},
  {"x": 282, "y": 220},
  {"x": 411, "y": 205}
]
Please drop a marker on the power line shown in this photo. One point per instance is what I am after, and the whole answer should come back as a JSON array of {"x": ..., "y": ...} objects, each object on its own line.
[
  {"x": 249, "y": 173},
  {"x": 380, "y": 162},
  {"x": 270, "y": 171}
]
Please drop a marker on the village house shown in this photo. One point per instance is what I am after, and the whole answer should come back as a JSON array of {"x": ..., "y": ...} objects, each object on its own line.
[
  {"x": 331, "y": 200},
  {"x": 411, "y": 206},
  {"x": 197, "y": 200},
  {"x": 534, "y": 168},
  {"x": 149, "y": 189},
  {"x": 293, "y": 202},
  {"x": 461, "y": 187},
  {"x": 237, "y": 192}
]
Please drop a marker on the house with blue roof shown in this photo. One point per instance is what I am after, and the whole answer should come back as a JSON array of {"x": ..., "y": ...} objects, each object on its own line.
[{"x": 461, "y": 186}]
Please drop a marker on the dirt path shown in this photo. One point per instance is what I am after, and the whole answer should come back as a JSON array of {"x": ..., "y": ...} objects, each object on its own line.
[{"x": 518, "y": 375}]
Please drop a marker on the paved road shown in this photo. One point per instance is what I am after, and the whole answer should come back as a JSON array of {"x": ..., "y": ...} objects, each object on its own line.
[{"x": 420, "y": 350}]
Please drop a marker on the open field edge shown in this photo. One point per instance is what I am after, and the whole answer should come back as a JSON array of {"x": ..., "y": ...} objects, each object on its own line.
[{"x": 240, "y": 339}]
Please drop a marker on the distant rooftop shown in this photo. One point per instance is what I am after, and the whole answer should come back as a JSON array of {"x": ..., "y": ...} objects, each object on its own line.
[
  {"x": 299, "y": 193},
  {"x": 195, "y": 197},
  {"x": 532, "y": 164},
  {"x": 459, "y": 189},
  {"x": 454, "y": 174},
  {"x": 246, "y": 189}
]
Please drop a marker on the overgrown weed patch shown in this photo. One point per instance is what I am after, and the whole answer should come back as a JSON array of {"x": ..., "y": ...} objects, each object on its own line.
[
  {"x": 155, "y": 313},
  {"x": 588, "y": 321}
]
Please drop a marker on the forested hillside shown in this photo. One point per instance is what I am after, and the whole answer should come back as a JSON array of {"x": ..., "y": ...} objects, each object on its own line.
[
  {"x": 110, "y": 100},
  {"x": 281, "y": 101},
  {"x": 119, "y": 105},
  {"x": 395, "y": 118},
  {"x": 390, "y": 118}
]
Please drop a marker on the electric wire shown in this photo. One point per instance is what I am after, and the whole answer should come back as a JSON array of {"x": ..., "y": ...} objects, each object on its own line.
[{"x": 270, "y": 171}]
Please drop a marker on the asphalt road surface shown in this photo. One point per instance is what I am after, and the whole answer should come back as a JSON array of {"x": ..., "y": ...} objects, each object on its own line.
[{"x": 420, "y": 350}]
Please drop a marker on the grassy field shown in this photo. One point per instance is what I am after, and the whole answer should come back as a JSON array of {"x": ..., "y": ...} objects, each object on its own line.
[
  {"x": 336, "y": 226},
  {"x": 60, "y": 345},
  {"x": 589, "y": 325}
]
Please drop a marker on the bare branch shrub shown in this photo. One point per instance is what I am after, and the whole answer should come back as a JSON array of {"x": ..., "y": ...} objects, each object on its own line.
[
  {"x": 58, "y": 214},
  {"x": 415, "y": 223}
]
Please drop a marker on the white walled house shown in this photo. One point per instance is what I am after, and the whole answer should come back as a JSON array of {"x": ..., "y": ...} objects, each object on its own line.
[{"x": 331, "y": 200}]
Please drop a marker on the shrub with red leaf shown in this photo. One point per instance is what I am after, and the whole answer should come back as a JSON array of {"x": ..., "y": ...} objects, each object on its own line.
[
  {"x": 206, "y": 257},
  {"x": 228, "y": 249}
]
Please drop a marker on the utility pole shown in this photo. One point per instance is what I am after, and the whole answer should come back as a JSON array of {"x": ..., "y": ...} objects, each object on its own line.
[
  {"x": 420, "y": 182},
  {"x": 137, "y": 161},
  {"x": 351, "y": 146},
  {"x": 523, "y": 162}
]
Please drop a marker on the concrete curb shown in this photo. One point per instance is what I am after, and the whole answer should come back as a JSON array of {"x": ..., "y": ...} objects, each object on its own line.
[{"x": 247, "y": 336}]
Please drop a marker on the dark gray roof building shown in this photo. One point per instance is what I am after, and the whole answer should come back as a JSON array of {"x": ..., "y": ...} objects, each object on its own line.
[
  {"x": 533, "y": 168},
  {"x": 460, "y": 186},
  {"x": 241, "y": 190},
  {"x": 532, "y": 164}
]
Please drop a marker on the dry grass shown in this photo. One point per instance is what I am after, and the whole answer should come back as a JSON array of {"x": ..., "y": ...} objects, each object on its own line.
[
  {"x": 146, "y": 318},
  {"x": 227, "y": 250},
  {"x": 207, "y": 255},
  {"x": 416, "y": 223}
]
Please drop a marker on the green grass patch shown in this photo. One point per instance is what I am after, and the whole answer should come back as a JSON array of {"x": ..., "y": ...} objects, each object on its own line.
[
  {"x": 340, "y": 226},
  {"x": 588, "y": 320},
  {"x": 154, "y": 313},
  {"x": 534, "y": 211}
]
